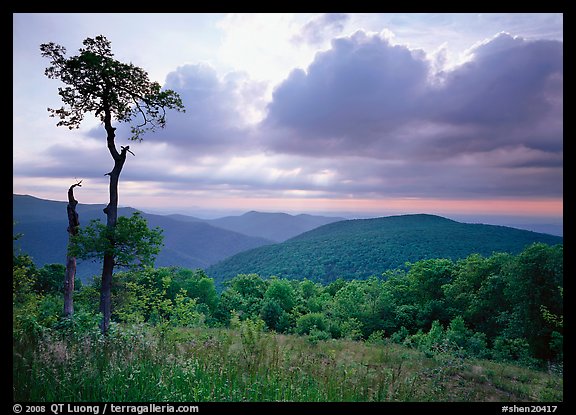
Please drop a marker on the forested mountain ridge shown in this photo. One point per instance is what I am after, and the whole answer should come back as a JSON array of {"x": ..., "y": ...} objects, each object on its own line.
[
  {"x": 362, "y": 247},
  {"x": 189, "y": 244},
  {"x": 277, "y": 227}
]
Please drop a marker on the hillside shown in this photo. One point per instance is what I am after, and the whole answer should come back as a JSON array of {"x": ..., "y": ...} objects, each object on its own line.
[
  {"x": 187, "y": 243},
  {"x": 276, "y": 227},
  {"x": 363, "y": 247}
]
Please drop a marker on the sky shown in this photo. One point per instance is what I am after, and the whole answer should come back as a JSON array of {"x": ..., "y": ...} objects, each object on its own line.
[{"x": 362, "y": 115}]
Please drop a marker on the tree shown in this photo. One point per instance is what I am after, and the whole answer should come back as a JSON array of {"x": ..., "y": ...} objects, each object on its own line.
[
  {"x": 130, "y": 244},
  {"x": 280, "y": 291},
  {"x": 73, "y": 225},
  {"x": 535, "y": 280},
  {"x": 478, "y": 285},
  {"x": 97, "y": 83},
  {"x": 197, "y": 285},
  {"x": 49, "y": 279},
  {"x": 134, "y": 244},
  {"x": 426, "y": 279}
]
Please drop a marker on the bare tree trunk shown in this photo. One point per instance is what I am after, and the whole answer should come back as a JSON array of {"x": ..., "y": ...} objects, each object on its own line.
[
  {"x": 73, "y": 224},
  {"x": 111, "y": 211}
]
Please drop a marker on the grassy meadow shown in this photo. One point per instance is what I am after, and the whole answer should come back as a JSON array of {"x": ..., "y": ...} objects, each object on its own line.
[{"x": 159, "y": 364}]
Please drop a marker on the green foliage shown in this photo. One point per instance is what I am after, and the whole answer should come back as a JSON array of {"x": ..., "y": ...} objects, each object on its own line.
[
  {"x": 516, "y": 350},
  {"x": 141, "y": 296},
  {"x": 317, "y": 335},
  {"x": 24, "y": 274},
  {"x": 357, "y": 249},
  {"x": 434, "y": 338},
  {"x": 244, "y": 294},
  {"x": 197, "y": 285},
  {"x": 81, "y": 324},
  {"x": 50, "y": 279},
  {"x": 351, "y": 328},
  {"x": 26, "y": 302},
  {"x": 255, "y": 344},
  {"x": 377, "y": 337},
  {"x": 130, "y": 242},
  {"x": 478, "y": 285},
  {"x": 184, "y": 312},
  {"x": 400, "y": 336},
  {"x": 536, "y": 278},
  {"x": 97, "y": 83},
  {"x": 467, "y": 308},
  {"x": 271, "y": 313},
  {"x": 557, "y": 345},
  {"x": 457, "y": 333},
  {"x": 306, "y": 323},
  {"x": 477, "y": 346},
  {"x": 282, "y": 293}
]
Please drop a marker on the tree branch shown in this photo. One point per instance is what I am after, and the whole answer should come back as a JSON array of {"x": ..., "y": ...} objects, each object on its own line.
[
  {"x": 73, "y": 222},
  {"x": 126, "y": 149}
]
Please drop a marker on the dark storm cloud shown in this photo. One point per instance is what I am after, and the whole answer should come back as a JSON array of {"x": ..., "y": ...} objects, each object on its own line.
[
  {"x": 368, "y": 97},
  {"x": 321, "y": 28}
]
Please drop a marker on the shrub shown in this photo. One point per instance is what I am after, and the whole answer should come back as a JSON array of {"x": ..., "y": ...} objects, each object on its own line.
[
  {"x": 184, "y": 312},
  {"x": 557, "y": 345},
  {"x": 477, "y": 346},
  {"x": 457, "y": 332},
  {"x": 516, "y": 349},
  {"x": 81, "y": 323},
  {"x": 376, "y": 337},
  {"x": 307, "y": 322},
  {"x": 352, "y": 329},
  {"x": 318, "y": 335},
  {"x": 401, "y": 335}
]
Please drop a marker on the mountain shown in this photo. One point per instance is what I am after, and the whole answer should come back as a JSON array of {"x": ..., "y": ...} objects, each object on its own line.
[
  {"x": 187, "y": 243},
  {"x": 277, "y": 227},
  {"x": 363, "y": 247}
]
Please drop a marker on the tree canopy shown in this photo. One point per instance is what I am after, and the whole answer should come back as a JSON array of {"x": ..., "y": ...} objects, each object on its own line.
[
  {"x": 133, "y": 242},
  {"x": 98, "y": 83}
]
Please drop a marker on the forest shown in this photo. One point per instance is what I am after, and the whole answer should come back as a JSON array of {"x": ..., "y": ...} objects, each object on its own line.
[
  {"x": 503, "y": 308},
  {"x": 360, "y": 248}
]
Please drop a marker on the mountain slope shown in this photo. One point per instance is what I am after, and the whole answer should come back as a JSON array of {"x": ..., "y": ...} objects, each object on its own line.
[
  {"x": 277, "y": 227},
  {"x": 187, "y": 244},
  {"x": 363, "y": 247}
]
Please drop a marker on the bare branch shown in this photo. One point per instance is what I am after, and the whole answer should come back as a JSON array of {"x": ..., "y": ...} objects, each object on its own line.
[{"x": 127, "y": 148}]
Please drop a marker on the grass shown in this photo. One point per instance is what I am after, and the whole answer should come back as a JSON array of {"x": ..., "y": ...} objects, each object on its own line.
[{"x": 139, "y": 364}]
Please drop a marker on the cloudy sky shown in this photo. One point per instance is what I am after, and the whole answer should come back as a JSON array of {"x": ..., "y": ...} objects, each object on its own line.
[{"x": 373, "y": 114}]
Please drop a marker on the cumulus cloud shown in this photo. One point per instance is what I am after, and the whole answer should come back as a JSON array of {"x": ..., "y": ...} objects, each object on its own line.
[
  {"x": 365, "y": 91},
  {"x": 506, "y": 82},
  {"x": 321, "y": 28},
  {"x": 368, "y": 98},
  {"x": 220, "y": 111},
  {"x": 349, "y": 97},
  {"x": 366, "y": 119}
]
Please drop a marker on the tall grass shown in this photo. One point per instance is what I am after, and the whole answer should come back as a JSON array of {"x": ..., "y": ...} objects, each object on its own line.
[{"x": 140, "y": 364}]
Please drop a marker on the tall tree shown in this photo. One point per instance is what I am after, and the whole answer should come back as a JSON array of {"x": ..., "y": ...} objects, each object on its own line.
[
  {"x": 99, "y": 84},
  {"x": 73, "y": 225}
]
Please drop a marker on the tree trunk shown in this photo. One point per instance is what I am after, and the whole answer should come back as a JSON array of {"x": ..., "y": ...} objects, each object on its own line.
[
  {"x": 69, "y": 286},
  {"x": 111, "y": 211},
  {"x": 73, "y": 224},
  {"x": 106, "y": 293}
]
